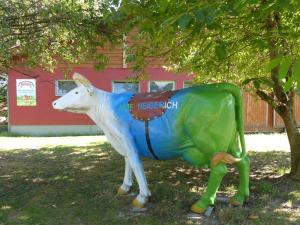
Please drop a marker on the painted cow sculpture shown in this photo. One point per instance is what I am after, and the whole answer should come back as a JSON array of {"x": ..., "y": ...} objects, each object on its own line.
[{"x": 201, "y": 124}]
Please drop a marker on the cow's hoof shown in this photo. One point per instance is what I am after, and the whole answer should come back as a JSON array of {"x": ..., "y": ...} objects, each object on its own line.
[
  {"x": 197, "y": 209},
  {"x": 121, "y": 191},
  {"x": 137, "y": 204},
  {"x": 233, "y": 201}
]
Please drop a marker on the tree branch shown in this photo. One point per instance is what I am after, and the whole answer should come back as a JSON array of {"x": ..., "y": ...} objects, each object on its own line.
[{"x": 269, "y": 99}]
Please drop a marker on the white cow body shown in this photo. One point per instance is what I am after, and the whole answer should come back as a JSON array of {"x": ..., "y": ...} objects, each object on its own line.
[{"x": 96, "y": 104}]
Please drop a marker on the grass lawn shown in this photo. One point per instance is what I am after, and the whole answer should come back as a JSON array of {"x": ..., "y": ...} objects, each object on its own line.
[{"x": 71, "y": 185}]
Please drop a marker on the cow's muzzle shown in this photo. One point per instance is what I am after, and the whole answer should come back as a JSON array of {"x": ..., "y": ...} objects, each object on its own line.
[{"x": 55, "y": 105}]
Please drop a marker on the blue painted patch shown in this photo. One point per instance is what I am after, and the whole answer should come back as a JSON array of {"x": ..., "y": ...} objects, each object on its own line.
[{"x": 166, "y": 140}]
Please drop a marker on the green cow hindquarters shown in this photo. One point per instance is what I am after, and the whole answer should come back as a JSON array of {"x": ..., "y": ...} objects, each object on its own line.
[
  {"x": 206, "y": 131},
  {"x": 216, "y": 141}
]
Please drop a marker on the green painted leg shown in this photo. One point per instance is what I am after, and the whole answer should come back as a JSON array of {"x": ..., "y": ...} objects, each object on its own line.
[
  {"x": 243, "y": 189},
  {"x": 216, "y": 175}
]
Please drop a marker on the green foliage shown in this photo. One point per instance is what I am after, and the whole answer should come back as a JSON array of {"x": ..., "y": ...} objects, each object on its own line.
[
  {"x": 288, "y": 74},
  {"x": 43, "y": 33},
  {"x": 273, "y": 63},
  {"x": 284, "y": 67},
  {"x": 184, "y": 20},
  {"x": 3, "y": 88},
  {"x": 220, "y": 51},
  {"x": 3, "y": 98},
  {"x": 218, "y": 41},
  {"x": 3, "y": 94},
  {"x": 296, "y": 72},
  {"x": 259, "y": 82}
]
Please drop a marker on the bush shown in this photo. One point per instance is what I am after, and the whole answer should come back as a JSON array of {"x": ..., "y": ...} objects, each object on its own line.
[
  {"x": 3, "y": 100},
  {"x": 3, "y": 89}
]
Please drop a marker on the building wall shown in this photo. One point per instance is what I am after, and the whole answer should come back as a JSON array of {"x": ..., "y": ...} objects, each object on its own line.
[
  {"x": 43, "y": 120},
  {"x": 43, "y": 115}
]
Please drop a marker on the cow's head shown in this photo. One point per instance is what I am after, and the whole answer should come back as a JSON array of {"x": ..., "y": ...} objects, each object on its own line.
[{"x": 80, "y": 99}]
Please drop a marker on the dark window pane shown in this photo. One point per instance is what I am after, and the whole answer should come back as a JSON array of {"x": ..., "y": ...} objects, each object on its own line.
[
  {"x": 64, "y": 86},
  {"x": 156, "y": 86},
  {"x": 187, "y": 84}
]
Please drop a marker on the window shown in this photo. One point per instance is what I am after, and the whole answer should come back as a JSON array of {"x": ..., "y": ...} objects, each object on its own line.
[
  {"x": 122, "y": 86},
  {"x": 187, "y": 84},
  {"x": 156, "y": 86},
  {"x": 62, "y": 87}
]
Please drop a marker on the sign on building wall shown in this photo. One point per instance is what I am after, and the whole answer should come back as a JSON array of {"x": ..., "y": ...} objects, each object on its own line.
[{"x": 26, "y": 92}]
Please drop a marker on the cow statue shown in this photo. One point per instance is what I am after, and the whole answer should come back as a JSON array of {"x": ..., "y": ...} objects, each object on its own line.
[{"x": 201, "y": 124}]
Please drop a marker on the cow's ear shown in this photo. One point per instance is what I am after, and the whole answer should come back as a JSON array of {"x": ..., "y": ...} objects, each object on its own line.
[{"x": 82, "y": 81}]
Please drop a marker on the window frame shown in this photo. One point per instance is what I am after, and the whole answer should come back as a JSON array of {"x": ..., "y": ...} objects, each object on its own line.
[{"x": 56, "y": 87}]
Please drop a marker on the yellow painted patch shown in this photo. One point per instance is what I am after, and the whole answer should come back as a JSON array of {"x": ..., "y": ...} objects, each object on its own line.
[
  {"x": 235, "y": 202},
  {"x": 196, "y": 209},
  {"x": 224, "y": 158},
  {"x": 137, "y": 204},
  {"x": 121, "y": 191}
]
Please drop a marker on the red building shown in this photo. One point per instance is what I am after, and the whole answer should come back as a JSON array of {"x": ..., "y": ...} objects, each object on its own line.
[{"x": 30, "y": 99}]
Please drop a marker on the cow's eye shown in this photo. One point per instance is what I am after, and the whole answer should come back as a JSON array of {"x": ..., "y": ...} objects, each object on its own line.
[{"x": 76, "y": 92}]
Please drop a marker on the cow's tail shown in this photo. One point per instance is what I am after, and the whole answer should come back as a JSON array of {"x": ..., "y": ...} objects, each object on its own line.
[
  {"x": 223, "y": 156},
  {"x": 239, "y": 115}
]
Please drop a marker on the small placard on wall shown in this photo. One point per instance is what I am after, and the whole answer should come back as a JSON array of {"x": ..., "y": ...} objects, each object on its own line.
[{"x": 26, "y": 92}]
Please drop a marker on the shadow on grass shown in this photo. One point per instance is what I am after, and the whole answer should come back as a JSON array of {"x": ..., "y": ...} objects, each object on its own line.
[{"x": 70, "y": 185}]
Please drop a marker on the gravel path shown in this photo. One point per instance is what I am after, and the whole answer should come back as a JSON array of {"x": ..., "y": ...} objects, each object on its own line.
[
  {"x": 254, "y": 142},
  {"x": 267, "y": 142},
  {"x": 40, "y": 142}
]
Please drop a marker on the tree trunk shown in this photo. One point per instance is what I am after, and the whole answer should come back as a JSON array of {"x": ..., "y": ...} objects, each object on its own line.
[
  {"x": 283, "y": 103},
  {"x": 288, "y": 116}
]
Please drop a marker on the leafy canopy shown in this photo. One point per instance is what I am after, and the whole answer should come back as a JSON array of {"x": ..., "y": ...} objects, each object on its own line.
[
  {"x": 220, "y": 40},
  {"x": 45, "y": 32}
]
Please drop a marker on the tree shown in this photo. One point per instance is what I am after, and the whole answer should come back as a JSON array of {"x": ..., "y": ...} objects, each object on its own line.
[
  {"x": 254, "y": 42},
  {"x": 41, "y": 33}
]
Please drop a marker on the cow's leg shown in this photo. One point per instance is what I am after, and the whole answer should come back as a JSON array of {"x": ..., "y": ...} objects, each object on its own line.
[
  {"x": 243, "y": 167},
  {"x": 127, "y": 182},
  {"x": 138, "y": 170},
  {"x": 131, "y": 154},
  {"x": 243, "y": 189},
  {"x": 208, "y": 198}
]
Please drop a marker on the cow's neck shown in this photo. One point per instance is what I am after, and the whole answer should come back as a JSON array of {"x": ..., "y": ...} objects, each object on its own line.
[{"x": 102, "y": 114}]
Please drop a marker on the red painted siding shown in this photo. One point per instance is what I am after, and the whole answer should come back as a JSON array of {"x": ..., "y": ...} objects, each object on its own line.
[{"x": 43, "y": 114}]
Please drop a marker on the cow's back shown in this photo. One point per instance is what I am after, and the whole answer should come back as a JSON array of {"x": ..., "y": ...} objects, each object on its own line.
[{"x": 201, "y": 117}]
